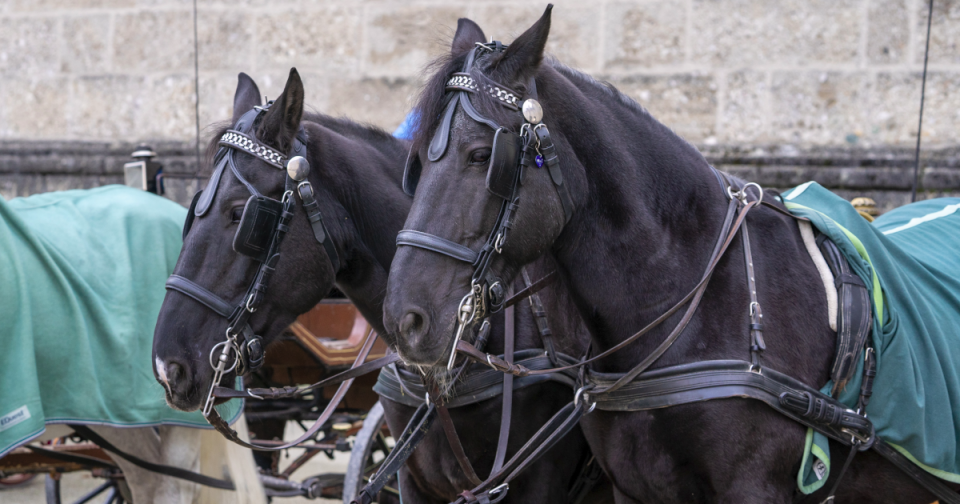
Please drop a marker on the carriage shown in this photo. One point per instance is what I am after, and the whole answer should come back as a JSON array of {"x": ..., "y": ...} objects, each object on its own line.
[{"x": 320, "y": 343}]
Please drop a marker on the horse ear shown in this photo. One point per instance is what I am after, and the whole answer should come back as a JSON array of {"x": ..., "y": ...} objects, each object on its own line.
[
  {"x": 283, "y": 119},
  {"x": 246, "y": 97},
  {"x": 521, "y": 60},
  {"x": 468, "y": 34}
]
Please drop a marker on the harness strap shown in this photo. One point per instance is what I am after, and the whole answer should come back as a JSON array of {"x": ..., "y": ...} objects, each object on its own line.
[
  {"x": 728, "y": 231},
  {"x": 436, "y": 244},
  {"x": 175, "y": 472},
  {"x": 320, "y": 233},
  {"x": 193, "y": 290},
  {"x": 531, "y": 288},
  {"x": 413, "y": 434},
  {"x": 213, "y": 416},
  {"x": 757, "y": 346},
  {"x": 288, "y": 392},
  {"x": 477, "y": 384},
  {"x": 540, "y": 316},
  {"x": 507, "y": 405},
  {"x": 453, "y": 440},
  {"x": 555, "y": 429}
]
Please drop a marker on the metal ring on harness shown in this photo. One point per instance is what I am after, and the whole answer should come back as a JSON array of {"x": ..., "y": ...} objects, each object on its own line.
[{"x": 236, "y": 354}]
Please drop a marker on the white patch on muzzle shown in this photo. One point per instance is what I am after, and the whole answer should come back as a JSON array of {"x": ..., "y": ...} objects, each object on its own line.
[{"x": 161, "y": 371}]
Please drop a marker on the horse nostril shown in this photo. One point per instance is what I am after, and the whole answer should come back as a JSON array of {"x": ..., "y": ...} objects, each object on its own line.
[
  {"x": 176, "y": 374},
  {"x": 413, "y": 324}
]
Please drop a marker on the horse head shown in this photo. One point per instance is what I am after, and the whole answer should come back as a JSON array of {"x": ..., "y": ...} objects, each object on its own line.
[
  {"x": 221, "y": 303},
  {"x": 488, "y": 190}
]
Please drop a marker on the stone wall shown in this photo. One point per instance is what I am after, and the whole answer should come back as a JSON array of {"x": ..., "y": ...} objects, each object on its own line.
[{"x": 825, "y": 89}]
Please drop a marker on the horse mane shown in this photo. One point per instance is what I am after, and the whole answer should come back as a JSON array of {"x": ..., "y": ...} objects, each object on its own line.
[
  {"x": 432, "y": 98},
  {"x": 374, "y": 136}
]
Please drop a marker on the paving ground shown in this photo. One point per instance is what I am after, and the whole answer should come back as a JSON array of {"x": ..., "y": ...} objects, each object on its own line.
[{"x": 74, "y": 485}]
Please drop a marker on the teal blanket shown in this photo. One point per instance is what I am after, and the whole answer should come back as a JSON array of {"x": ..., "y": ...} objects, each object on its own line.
[
  {"x": 910, "y": 261},
  {"x": 83, "y": 279}
]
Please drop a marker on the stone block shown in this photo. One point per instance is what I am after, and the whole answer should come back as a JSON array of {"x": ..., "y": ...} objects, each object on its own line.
[
  {"x": 944, "y": 32},
  {"x": 687, "y": 103},
  {"x": 895, "y": 105},
  {"x": 744, "y": 117},
  {"x": 645, "y": 34},
  {"x": 166, "y": 110},
  {"x": 131, "y": 108},
  {"x": 153, "y": 41},
  {"x": 751, "y": 32},
  {"x": 85, "y": 43},
  {"x": 55, "y": 5},
  {"x": 225, "y": 39},
  {"x": 30, "y": 47},
  {"x": 383, "y": 102},
  {"x": 888, "y": 31},
  {"x": 574, "y": 30},
  {"x": 937, "y": 178},
  {"x": 823, "y": 108},
  {"x": 8, "y": 186},
  {"x": 34, "y": 108},
  {"x": 402, "y": 38},
  {"x": 325, "y": 38}
]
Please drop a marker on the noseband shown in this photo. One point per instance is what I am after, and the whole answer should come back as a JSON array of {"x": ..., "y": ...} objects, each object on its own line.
[
  {"x": 263, "y": 225},
  {"x": 512, "y": 154}
]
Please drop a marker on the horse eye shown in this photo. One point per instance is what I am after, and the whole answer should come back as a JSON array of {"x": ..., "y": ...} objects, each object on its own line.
[
  {"x": 236, "y": 214},
  {"x": 480, "y": 156}
]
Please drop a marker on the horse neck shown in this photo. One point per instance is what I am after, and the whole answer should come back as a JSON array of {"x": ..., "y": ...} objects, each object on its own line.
[
  {"x": 649, "y": 208},
  {"x": 362, "y": 168}
]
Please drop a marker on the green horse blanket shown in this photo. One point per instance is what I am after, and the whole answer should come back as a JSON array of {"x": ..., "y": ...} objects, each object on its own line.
[
  {"x": 83, "y": 279},
  {"x": 910, "y": 260}
]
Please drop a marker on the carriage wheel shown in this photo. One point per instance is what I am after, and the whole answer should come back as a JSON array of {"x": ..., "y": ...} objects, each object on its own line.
[
  {"x": 117, "y": 491},
  {"x": 369, "y": 450}
]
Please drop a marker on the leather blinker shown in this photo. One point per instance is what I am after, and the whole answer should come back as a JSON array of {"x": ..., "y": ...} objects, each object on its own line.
[
  {"x": 188, "y": 222},
  {"x": 411, "y": 172},
  {"x": 504, "y": 163},
  {"x": 257, "y": 225}
]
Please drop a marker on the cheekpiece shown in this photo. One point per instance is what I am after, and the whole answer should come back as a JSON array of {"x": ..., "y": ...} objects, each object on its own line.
[
  {"x": 465, "y": 82},
  {"x": 238, "y": 140}
]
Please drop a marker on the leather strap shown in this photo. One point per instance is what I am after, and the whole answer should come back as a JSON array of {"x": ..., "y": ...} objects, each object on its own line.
[
  {"x": 287, "y": 392},
  {"x": 478, "y": 382},
  {"x": 221, "y": 425},
  {"x": 413, "y": 434},
  {"x": 187, "y": 287},
  {"x": 555, "y": 429},
  {"x": 453, "y": 440},
  {"x": 436, "y": 244},
  {"x": 757, "y": 346},
  {"x": 531, "y": 289},
  {"x": 175, "y": 472},
  {"x": 506, "y": 411},
  {"x": 320, "y": 233},
  {"x": 540, "y": 316},
  {"x": 727, "y": 234}
]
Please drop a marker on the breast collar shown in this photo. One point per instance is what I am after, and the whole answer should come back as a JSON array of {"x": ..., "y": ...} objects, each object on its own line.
[{"x": 512, "y": 154}]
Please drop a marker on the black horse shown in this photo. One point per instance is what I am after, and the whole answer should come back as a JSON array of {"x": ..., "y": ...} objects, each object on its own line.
[
  {"x": 631, "y": 220},
  {"x": 356, "y": 171}
]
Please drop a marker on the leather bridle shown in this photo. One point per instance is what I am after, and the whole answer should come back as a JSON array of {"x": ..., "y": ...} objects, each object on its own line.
[
  {"x": 512, "y": 154},
  {"x": 263, "y": 226}
]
